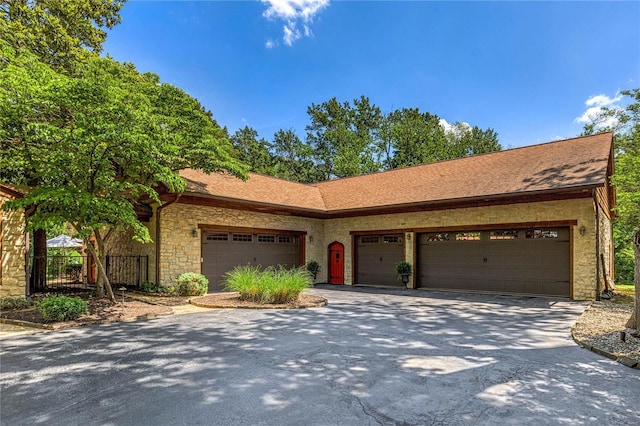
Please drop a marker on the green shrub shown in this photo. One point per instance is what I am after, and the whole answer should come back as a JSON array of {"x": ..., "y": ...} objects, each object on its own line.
[
  {"x": 192, "y": 284},
  {"x": 62, "y": 308},
  {"x": 149, "y": 287},
  {"x": 269, "y": 286},
  {"x": 14, "y": 303}
]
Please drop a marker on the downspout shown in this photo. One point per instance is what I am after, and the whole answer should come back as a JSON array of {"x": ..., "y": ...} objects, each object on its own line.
[
  {"x": 158, "y": 211},
  {"x": 595, "y": 205}
]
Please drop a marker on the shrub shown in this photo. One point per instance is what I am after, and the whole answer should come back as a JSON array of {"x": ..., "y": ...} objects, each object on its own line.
[
  {"x": 192, "y": 284},
  {"x": 62, "y": 308},
  {"x": 149, "y": 287},
  {"x": 14, "y": 303},
  {"x": 313, "y": 267},
  {"x": 269, "y": 286},
  {"x": 403, "y": 268}
]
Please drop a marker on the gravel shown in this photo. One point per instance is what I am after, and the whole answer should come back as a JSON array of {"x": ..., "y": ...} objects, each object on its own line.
[{"x": 600, "y": 325}]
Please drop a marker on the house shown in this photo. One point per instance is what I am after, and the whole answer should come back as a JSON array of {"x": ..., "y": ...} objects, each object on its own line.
[
  {"x": 13, "y": 247},
  {"x": 533, "y": 220}
]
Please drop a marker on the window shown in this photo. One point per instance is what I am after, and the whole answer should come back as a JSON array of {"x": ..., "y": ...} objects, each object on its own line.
[
  {"x": 218, "y": 236},
  {"x": 243, "y": 237},
  {"x": 438, "y": 237},
  {"x": 285, "y": 239},
  {"x": 511, "y": 234},
  {"x": 370, "y": 239},
  {"x": 266, "y": 238},
  {"x": 392, "y": 239},
  {"x": 467, "y": 236},
  {"x": 535, "y": 234}
]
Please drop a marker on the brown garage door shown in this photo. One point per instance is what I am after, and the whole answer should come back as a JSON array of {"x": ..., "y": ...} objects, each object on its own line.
[
  {"x": 376, "y": 258},
  {"x": 222, "y": 251},
  {"x": 516, "y": 261}
]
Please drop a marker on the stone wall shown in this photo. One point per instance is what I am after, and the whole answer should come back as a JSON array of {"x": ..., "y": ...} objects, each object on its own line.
[
  {"x": 180, "y": 251},
  {"x": 605, "y": 246},
  {"x": 582, "y": 210},
  {"x": 13, "y": 280}
]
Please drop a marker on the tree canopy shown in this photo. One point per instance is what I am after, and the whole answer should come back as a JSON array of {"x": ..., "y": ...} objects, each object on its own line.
[
  {"x": 627, "y": 183},
  {"x": 90, "y": 146},
  {"x": 352, "y": 138}
]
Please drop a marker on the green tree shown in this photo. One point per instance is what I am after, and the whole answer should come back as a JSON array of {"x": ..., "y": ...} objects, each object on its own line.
[
  {"x": 626, "y": 181},
  {"x": 415, "y": 138},
  {"x": 253, "y": 151},
  {"x": 61, "y": 33},
  {"x": 293, "y": 158},
  {"x": 344, "y": 137},
  {"x": 466, "y": 142},
  {"x": 91, "y": 146}
]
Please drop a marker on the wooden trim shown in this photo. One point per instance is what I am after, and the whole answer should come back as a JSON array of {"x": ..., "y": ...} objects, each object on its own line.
[
  {"x": 10, "y": 192},
  {"x": 248, "y": 230},
  {"x": 416, "y": 269},
  {"x": 303, "y": 250},
  {"x": 483, "y": 227},
  {"x": 354, "y": 264},
  {"x": 571, "y": 243}
]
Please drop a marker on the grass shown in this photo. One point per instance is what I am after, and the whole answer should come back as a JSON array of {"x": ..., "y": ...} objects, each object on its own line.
[
  {"x": 269, "y": 286},
  {"x": 624, "y": 294}
]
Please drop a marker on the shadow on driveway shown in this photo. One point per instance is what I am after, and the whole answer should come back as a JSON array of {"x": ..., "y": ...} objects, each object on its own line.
[{"x": 372, "y": 356}]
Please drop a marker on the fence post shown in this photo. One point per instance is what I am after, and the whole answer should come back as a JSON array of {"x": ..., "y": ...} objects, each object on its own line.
[
  {"x": 138, "y": 272},
  {"x": 106, "y": 267}
]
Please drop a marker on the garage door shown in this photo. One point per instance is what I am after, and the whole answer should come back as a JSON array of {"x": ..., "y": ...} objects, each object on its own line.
[
  {"x": 222, "y": 251},
  {"x": 376, "y": 258},
  {"x": 510, "y": 261}
]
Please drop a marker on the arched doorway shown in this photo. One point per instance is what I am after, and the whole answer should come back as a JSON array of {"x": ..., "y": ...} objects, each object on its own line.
[{"x": 336, "y": 263}]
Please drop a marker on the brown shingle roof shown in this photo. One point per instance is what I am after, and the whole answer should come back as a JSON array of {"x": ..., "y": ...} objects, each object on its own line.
[
  {"x": 554, "y": 166},
  {"x": 258, "y": 189},
  {"x": 546, "y": 167}
]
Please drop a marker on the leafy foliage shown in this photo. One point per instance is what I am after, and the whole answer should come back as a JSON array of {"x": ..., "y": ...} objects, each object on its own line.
[
  {"x": 62, "y": 308},
  {"x": 403, "y": 268},
  {"x": 268, "y": 286},
  {"x": 61, "y": 33},
  {"x": 8, "y": 303},
  {"x": 352, "y": 138},
  {"x": 191, "y": 284},
  {"x": 90, "y": 147}
]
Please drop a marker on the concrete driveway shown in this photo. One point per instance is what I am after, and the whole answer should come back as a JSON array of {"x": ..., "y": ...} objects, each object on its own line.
[{"x": 371, "y": 357}]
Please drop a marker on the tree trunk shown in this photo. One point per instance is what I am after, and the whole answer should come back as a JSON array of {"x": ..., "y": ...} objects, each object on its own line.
[
  {"x": 39, "y": 266},
  {"x": 100, "y": 259},
  {"x": 634, "y": 321}
]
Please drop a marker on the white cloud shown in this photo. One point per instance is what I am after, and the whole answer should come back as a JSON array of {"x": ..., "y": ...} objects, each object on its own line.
[
  {"x": 294, "y": 13},
  {"x": 458, "y": 128},
  {"x": 595, "y": 105},
  {"x": 270, "y": 44}
]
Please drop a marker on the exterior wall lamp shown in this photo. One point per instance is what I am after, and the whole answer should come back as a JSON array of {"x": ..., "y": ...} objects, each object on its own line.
[
  {"x": 194, "y": 233},
  {"x": 583, "y": 230}
]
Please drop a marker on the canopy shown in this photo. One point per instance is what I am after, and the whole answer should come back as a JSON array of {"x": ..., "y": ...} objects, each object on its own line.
[{"x": 64, "y": 241}]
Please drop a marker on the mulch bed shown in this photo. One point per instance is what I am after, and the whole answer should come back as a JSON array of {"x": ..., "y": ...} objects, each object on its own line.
[
  {"x": 232, "y": 300},
  {"x": 100, "y": 311}
]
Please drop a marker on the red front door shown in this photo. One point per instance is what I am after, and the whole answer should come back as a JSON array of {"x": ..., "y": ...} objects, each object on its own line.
[{"x": 336, "y": 263}]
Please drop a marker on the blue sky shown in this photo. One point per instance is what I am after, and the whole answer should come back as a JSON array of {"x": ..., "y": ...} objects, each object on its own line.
[{"x": 526, "y": 69}]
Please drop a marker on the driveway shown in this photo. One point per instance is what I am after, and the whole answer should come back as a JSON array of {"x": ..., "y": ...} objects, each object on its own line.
[{"x": 371, "y": 357}]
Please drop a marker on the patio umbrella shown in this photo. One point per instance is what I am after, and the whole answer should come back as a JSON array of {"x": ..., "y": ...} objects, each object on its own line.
[{"x": 64, "y": 241}]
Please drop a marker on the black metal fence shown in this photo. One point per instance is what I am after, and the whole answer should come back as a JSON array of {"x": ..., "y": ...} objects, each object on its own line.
[{"x": 57, "y": 272}]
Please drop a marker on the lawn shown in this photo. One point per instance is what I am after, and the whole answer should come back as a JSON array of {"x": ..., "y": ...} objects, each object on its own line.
[{"x": 624, "y": 294}]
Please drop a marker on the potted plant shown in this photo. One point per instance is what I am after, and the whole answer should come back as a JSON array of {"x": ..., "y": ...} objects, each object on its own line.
[
  {"x": 403, "y": 269},
  {"x": 313, "y": 267}
]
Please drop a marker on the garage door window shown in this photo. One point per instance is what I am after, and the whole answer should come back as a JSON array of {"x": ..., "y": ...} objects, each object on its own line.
[
  {"x": 369, "y": 239},
  {"x": 266, "y": 238},
  {"x": 504, "y": 235},
  {"x": 535, "y": 234},
  {"x": 468, "y": 236},
  {"x": 222, "y": 236},
  {"x": 286, "y": 239},
  {"x": 392, "y": 239},
  {"x": 243, "y": 237},
  {"x": 437, "y": 237}
]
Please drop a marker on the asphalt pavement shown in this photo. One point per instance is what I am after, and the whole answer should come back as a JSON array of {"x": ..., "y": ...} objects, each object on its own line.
[{"x": 371, "y": 357}]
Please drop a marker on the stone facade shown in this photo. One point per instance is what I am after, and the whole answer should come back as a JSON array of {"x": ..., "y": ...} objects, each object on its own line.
[
  {"x": 581, "y": 210},
  {"x": 181, "y": 251},
  {"x": 13, "y": 280}
]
